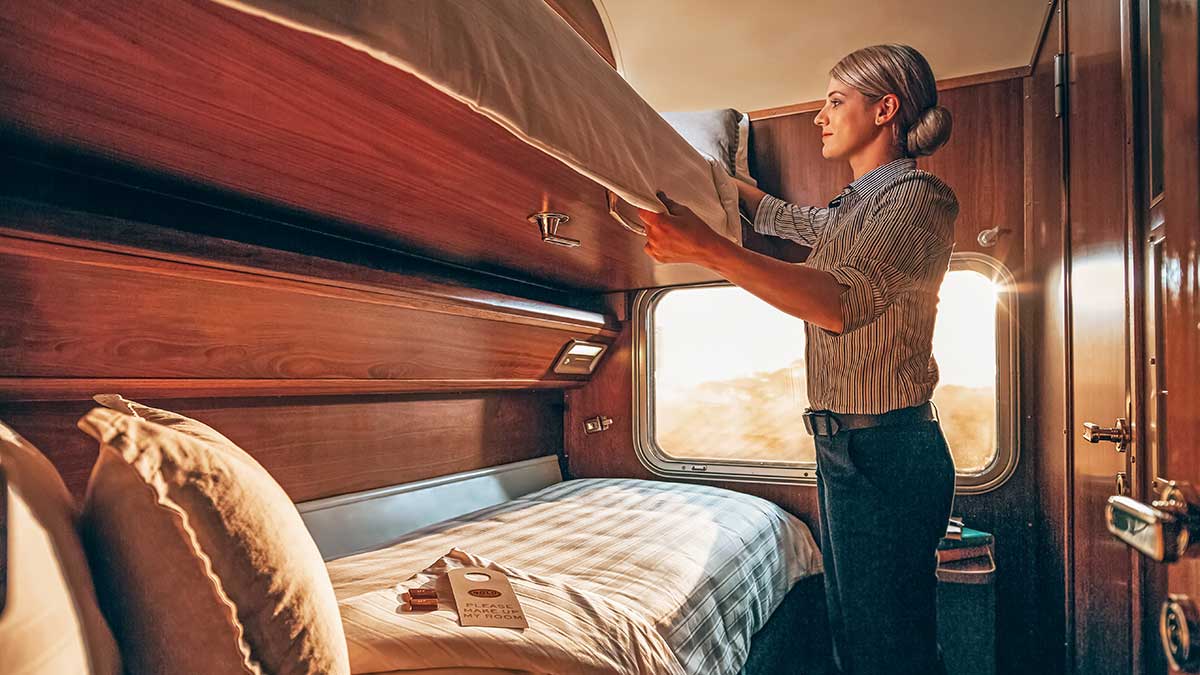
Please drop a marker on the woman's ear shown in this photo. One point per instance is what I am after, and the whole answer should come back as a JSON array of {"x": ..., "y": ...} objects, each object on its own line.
[{"x": 886, "y": 109}]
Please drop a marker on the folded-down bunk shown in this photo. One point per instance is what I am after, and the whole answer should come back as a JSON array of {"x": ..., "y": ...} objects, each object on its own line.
[{"x": 437, "y": 127}]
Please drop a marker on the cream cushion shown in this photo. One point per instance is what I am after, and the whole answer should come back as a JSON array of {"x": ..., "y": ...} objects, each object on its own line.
[
  {"x": 219, "y": 573},
  {"x": 51, "y": 622}
]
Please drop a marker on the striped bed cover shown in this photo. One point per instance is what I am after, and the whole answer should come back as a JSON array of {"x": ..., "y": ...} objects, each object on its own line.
[{"x": 698, "y": 568}]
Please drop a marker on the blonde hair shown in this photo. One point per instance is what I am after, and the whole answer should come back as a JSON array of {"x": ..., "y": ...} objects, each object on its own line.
[{"x": 922, "y": 126}]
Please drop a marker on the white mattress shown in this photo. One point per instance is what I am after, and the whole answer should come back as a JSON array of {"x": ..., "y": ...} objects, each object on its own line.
[
  {"x": 521, "y": 65},
  {"x": 703, "y": 567}
]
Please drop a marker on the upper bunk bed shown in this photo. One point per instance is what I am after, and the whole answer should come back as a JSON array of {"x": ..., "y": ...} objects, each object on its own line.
[{"x": 435, "y": 128}]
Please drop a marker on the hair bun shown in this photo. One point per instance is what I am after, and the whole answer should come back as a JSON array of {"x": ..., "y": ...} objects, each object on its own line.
[{"x": 929, "y": 132}]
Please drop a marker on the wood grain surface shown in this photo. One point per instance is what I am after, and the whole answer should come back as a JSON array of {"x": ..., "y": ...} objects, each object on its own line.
[{"x": 215, "y": 96}]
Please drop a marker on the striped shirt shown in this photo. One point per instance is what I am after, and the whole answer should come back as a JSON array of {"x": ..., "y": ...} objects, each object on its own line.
[{"x": 887, "y": 237}]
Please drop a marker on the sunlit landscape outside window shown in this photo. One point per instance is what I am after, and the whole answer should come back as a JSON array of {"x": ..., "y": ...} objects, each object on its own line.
[{"x": 728, "y": 380}]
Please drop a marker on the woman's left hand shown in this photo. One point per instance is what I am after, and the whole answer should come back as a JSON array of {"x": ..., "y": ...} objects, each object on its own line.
[{"x": 678, "y": 236}]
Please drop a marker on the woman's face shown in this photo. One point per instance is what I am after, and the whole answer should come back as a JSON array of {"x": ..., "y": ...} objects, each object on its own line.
[{"x": 848, "y": 121}]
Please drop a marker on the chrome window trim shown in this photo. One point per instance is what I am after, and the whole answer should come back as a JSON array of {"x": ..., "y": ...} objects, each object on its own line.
[
  {"x": 648, "y": 451},
  {"x": 1007, "y": 387}
]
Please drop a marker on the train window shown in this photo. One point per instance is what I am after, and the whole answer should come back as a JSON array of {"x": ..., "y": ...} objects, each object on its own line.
[{"x": 720, "y": 380}]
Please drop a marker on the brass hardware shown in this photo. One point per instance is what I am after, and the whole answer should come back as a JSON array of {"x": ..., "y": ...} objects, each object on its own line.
[
  {"x": 1122, "y": 484},
  {"x": 988, "y": 238},
  {"x": 1179, "y": 628},
  {"x": 1162, "y": 530},
  {"x": 1120, "y": 434},
  {"x": 612, "y": 211},
  {"x": 548, "y": 223},
  {"x": 595, "y": 425}
]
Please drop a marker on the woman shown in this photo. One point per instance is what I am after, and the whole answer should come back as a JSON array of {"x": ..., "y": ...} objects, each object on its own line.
[{"x": 868, "y": 292}]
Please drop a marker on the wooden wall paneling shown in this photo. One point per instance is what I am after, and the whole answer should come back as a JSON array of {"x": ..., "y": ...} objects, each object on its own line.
[
  {"x": 299, "y": 120},
  {"x": 983, "y": 163},
  {"x": 318, "y": 447},
  {"x": 400, "y": 277},
  {"x": 946, "y": 84},
  {"x": 1045, "y": 356},
  {"x": 72, "y": 312}
]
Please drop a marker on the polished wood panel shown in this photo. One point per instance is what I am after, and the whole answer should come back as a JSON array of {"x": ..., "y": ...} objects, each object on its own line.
[
  {"x": 390, "y": 275},
  {"x": 72, "y": 312},
  {"x": 215, "y": 96},
  {"x": 947, "y": 84},
  {"x": 1099, "y": 206},
  {"x": 983, "y": 163},
  {"x": 583, "y": 16},
  {"x": 1180, "y": 278},
  {"x": 318, "y": 447},
  {"x": 1044, "y": 350}
]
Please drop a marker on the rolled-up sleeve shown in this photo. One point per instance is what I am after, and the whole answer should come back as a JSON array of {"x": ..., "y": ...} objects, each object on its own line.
[
  {"x": 801, "y": 224},
  {"x": 905, "y": 244}
]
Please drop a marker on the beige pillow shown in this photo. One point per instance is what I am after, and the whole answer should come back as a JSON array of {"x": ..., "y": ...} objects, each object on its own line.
[
  {"x": 51, "y": 622},
  {"x": 220, "y": 573}
]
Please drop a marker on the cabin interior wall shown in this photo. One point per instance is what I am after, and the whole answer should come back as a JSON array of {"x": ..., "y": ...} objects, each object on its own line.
[
  {"x": 349, "y": 372},
  {"x": 1047, "y": 442}
]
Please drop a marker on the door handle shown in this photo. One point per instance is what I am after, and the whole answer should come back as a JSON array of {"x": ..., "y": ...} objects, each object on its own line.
[
  {"x": 1120, "y": 434},
  {"x": 1179, "y": 628},
  {"x": 1162, "y": 530}
]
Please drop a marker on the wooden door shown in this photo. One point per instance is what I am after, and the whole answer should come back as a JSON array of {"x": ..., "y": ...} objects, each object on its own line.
[
  {"x": 1100, "y": 310},
  {"x": 1176, "y": 283}
]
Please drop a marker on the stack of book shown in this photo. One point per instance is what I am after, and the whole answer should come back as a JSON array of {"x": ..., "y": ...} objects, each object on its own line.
[{"x": 963, "y": 543}]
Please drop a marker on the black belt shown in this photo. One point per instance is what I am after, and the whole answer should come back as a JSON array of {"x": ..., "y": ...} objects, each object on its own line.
[{"x": 825, "y": 423}]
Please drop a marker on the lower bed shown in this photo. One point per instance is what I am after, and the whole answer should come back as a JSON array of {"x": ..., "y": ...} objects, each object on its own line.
[{"x": 614, "y": 576}]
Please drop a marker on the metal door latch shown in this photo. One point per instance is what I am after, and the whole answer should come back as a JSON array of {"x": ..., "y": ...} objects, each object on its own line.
[
  {"x": 1162, "y": 530},
  {"x": 1120, "y": 434},
  {"x": 594, "y": 425}
]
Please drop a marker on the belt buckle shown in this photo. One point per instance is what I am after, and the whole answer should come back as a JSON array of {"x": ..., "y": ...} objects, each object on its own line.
[{"x": 821, "y": 423}]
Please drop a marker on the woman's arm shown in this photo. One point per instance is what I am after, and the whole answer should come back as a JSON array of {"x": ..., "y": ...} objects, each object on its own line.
[
  {"x": 749, "y": 197},
  {"x": 799, "y": 290}
]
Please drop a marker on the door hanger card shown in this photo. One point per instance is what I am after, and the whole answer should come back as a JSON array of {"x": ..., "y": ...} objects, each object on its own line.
[{"x": 485, "y": 598}]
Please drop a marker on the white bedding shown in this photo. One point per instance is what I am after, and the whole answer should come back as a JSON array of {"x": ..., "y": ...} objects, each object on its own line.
[
  {"x": 519, "y": 64},
  {"x": 703, "y": 568}
]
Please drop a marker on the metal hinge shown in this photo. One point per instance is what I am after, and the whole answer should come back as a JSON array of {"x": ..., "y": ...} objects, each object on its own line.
[{"x": 1060, "y": 84}]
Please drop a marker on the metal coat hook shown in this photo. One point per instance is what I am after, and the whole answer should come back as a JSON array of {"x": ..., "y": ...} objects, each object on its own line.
[
  {"x": 988, "y": 238},
  {"x": 548, "y": 222}
]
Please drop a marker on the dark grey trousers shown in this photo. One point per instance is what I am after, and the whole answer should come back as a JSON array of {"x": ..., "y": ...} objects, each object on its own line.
[{"x": 885, "y": 495}]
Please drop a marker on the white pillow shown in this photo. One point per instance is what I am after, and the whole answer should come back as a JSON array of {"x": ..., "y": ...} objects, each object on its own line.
[
  {"x": 722, "y": 134},
  {"x": 741, "y": 161}
]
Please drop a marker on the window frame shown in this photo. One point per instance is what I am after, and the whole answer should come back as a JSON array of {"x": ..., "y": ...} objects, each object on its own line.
[{"x": 993, "y": 476}]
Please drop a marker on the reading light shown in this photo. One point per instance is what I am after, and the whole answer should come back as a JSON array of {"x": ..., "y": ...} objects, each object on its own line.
[{"x": 579, "y": 357}]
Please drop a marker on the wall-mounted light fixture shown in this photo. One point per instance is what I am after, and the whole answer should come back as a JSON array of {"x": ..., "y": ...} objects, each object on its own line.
[{"x": 579, "y": 357}]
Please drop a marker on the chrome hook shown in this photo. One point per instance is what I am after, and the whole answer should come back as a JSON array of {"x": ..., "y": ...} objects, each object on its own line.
[{"x": 548, "y": 222}]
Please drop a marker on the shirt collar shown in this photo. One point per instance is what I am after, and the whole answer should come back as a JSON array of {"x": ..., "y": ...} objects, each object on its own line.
[{"x": 876, "y": 178}]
